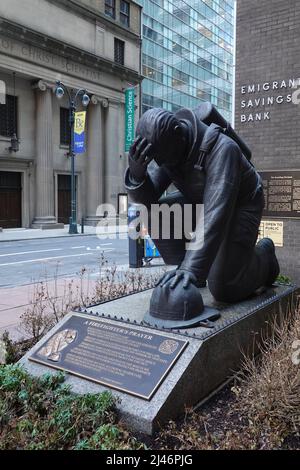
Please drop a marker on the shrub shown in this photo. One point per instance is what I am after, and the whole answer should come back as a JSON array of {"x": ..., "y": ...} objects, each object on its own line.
[
  {"x": 43, "y": 413},
  {"x": 47, "y": 307}
]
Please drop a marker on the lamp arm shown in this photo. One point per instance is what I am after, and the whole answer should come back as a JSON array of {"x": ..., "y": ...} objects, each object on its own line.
[{"x": 82, "y": 91}]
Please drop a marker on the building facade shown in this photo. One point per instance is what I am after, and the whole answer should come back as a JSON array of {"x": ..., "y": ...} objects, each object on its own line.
[
  {"x": 188, "y": 53},
  {"x": 267, "y": 114},
  {"x": 86, "y": 44}
]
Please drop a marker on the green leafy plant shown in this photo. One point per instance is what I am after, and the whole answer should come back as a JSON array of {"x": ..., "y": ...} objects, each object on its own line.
[
  {"x": 43, "y": 413},
  {"x": 282, "y": 279}
]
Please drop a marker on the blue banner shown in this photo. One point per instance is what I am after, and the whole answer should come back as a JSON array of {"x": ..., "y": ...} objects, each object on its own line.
[{"x": 79, "y": 132}]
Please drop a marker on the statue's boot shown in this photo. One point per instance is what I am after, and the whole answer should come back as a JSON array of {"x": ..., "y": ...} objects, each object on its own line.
[{"x": 267, "y": 247}]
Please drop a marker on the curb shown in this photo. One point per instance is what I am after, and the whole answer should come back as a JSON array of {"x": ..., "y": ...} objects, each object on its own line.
[
  {"x": 47, "y": 238},
  {"x": 53, "y": 236}
]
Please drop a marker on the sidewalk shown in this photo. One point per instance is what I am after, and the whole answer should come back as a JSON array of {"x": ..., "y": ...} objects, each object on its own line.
[
  {"x": 19, "y": 234},
  {"x": 14, "y": 301}
]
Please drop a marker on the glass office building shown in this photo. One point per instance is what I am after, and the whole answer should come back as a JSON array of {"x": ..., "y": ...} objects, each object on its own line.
[{"x": 188, "y": 53}]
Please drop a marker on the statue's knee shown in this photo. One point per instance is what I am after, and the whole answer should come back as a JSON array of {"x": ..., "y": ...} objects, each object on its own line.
[
  {"x": 217, "y": 290},
  {"x": 222, "y": 292}
]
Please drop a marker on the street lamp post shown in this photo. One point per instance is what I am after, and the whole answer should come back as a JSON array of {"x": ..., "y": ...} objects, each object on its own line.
[{"x": 60, "y": 92}]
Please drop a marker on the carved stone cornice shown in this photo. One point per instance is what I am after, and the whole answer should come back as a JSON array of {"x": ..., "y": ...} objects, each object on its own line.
[{"x": 50, "y": 44}]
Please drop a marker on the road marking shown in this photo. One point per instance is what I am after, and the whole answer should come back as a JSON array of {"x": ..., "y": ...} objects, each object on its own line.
[
  {"x": 52, "y": 258},
  {"x": 45, "y": 259},
  {"x": 31, "y": 252},
  {"x": 77, "y": 247}
]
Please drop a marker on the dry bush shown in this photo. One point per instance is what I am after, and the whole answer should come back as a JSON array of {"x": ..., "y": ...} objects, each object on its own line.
[
  {"x": 269, "y": 390},
  {"x": 112, "y": 283},
  {"x": 260, "y": 411},
  {"x": 49, "y": 305}
]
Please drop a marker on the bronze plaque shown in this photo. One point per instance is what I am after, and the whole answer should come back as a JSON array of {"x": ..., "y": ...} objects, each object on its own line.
[
  {"x": 128, "y": 359},
  {"x": 282, "y": 193}
]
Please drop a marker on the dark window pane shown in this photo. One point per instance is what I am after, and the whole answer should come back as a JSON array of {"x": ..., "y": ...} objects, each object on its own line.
[
  {"x": 65, "y": 133},
  {"x": 119, "y": 51},
  {"x": 124, "y": 13},
  {"x": 206, "y": 64},
  {"x": 8, "y": 116},
  {"x": 150, "y": 33},
  {"x": 152, "y": 102},
  {"x": 110, "y": 8}
]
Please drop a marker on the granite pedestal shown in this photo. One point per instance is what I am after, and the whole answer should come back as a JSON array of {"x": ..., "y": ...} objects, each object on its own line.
[{"x": 210, "y": 359}]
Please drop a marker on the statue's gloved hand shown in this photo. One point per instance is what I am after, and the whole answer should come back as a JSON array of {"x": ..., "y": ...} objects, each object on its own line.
[
  {"x": 180, "y": 275},
  {"x": 139, "y": 159}
]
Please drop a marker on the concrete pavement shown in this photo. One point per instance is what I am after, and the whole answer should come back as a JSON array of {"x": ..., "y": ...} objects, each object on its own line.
[
  {"x": 19, "y": 234},
  {"x": 15, "y": 301},
  {"x": 57, "y": 262},
  {"x": 28, "y": 261}
]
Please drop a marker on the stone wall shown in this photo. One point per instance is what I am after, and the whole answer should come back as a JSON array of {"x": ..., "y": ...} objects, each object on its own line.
[
  {"x": 88, "y": 32},
  {"x": 268, "y": 61},
  {"x": 99, "y": 6},
  {"x": 42, "y": 48}
]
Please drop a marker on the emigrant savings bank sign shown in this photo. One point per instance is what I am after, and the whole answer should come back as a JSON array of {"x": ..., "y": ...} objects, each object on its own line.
[{"x": 258, "y": 100}]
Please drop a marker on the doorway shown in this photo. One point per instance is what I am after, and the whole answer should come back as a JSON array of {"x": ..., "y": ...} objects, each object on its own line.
[
  {"x": 10, "y": 199},
  {"x": 64, "y": 198}
]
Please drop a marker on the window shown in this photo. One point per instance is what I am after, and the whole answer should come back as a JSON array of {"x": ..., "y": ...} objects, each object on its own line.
[
  {"x": 110, "y": 8},
  {"x": 153, "y": 74},
  {"x": 182, "y": 12},
  {"x": 65, "y": 133},
  {"x": 8, "y": 116},
  {"x": 124, "y": 13},
  {"x": 119, "y": 51},
  {"x": 206, "y": 64},
  {"x": 150, "y": 33}
]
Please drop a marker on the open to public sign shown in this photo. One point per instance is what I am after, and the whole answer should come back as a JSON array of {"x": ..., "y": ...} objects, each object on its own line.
[{"x": 79, "y": 132}]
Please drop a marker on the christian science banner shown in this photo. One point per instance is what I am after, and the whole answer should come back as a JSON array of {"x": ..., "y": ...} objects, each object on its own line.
[{"x": 129, "y": 118}]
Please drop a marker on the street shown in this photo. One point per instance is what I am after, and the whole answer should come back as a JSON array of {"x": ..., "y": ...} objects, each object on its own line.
[
  {"x": 29, "y": 261},
  {"x": 24, "y": 263},
  {"x": 56, "y": 260}
]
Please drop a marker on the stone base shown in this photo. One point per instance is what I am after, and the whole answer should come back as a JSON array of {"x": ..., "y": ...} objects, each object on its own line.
[
  {"x": 210, "y": 359},
  {"x": 46, "y": 223},
  {"x": 92, "y": 221},
  {"x": 105, "y": 221},
  {"x": 52, "y": 226}
]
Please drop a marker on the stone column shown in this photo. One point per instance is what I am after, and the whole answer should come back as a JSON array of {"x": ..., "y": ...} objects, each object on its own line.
[
  {"x": 112, "y": 153},
  {"x": 95, "y": 163},
  {"x": 44, "y": 193}
]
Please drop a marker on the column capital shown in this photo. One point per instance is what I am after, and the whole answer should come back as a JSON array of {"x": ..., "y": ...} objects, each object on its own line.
[
  {"x": 43, "y": 85},
  {"x": 104, "y": 102}
]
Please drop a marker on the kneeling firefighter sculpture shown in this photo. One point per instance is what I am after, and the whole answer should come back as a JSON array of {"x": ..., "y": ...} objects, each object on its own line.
[{"x": 208, "y": 164}]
